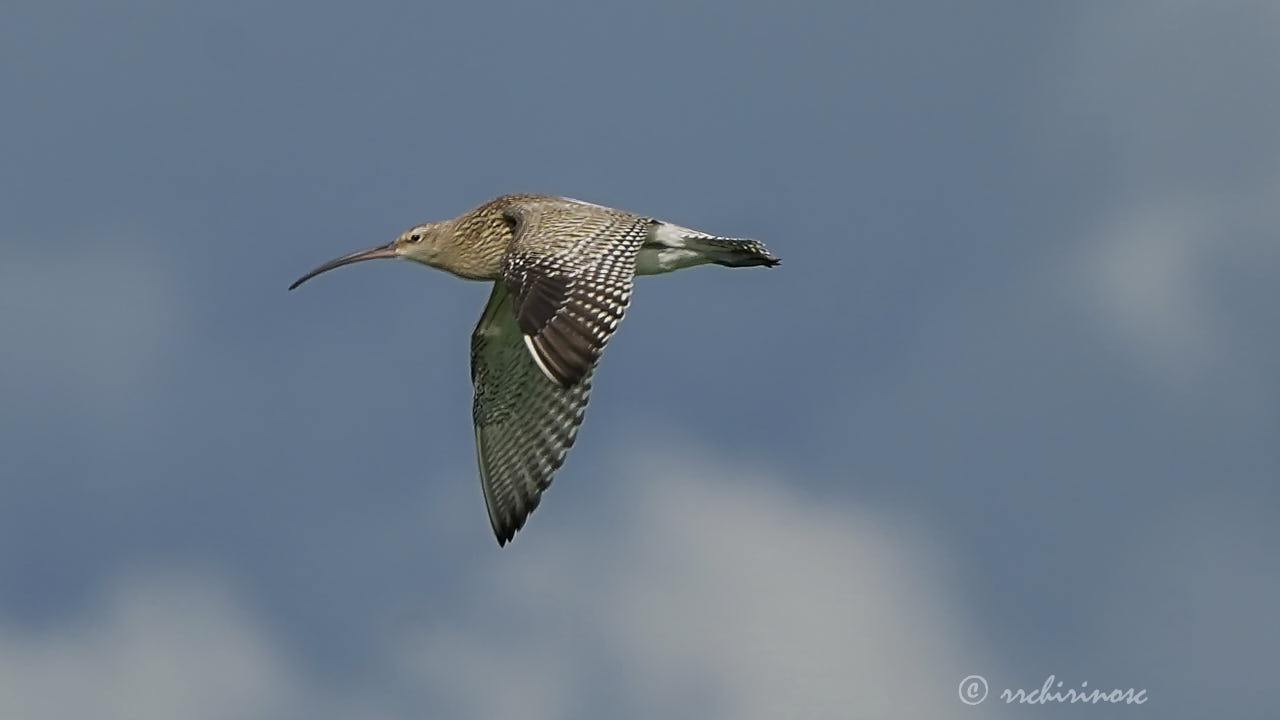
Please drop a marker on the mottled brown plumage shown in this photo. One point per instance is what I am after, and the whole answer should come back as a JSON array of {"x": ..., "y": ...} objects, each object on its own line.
[{"x": 562, "y": 271}]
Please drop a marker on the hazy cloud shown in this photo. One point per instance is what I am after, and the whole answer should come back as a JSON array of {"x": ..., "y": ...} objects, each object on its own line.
[
  {"x": 717, "y": 593},
  {"x": 156, "y": 647},
  {"x": 1171, "y": 95},
  {"x": 1165, "y": 278}
]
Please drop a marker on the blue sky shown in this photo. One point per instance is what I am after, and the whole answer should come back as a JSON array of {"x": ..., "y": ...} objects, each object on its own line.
[{"x": 1009, "y": 407}]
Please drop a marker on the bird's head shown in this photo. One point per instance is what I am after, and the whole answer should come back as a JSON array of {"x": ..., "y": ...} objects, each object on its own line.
[{"x": 420, "y": 243}]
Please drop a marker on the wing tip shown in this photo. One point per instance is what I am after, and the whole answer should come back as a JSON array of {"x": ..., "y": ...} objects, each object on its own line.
[
  {"x": 503, "y": 536},
  {"x": 505, "y": 528}
]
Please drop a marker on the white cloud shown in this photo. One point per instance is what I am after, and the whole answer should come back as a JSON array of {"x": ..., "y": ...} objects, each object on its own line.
[
  {"x": 158, "y": 647},
  {"x": 719, "y": 593},
  {"x": 716, "y": 591}
]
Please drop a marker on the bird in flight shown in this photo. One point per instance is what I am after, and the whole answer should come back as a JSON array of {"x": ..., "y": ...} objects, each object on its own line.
[{"x": 562, "y": 271}]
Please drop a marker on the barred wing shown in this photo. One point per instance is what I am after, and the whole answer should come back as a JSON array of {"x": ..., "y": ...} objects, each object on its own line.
[
  {"x": 570, "y": 270},
  {"x": 525, "y": 422}
]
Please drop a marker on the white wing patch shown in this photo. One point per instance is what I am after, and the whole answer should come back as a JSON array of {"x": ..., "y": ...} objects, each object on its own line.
[{"x": 533, "y": 352}]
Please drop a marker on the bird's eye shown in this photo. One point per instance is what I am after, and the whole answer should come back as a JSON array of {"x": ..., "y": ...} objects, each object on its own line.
[{"x": 415, "y": 237}]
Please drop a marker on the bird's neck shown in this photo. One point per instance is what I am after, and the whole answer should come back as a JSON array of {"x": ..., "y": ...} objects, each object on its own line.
[{"x": 474, "y": 246}]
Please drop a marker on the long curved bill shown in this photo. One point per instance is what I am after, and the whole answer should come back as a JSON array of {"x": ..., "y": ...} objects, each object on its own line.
[{"x": 373, "y": 253}]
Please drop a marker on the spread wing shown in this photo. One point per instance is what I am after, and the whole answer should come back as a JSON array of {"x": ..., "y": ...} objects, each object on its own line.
[
  {"x": 569, "y": 271},
  {"x": 525, "y": 422}
]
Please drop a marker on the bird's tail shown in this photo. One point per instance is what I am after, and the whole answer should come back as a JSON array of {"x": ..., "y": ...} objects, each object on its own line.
[{"x": 733, "y": 252}]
